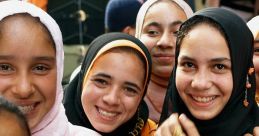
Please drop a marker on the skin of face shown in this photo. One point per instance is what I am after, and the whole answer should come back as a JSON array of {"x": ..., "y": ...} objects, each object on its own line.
[
  {"x": 204, "y": 76},
  {"x": 256, "y": 62},
  {"x": 10, "y": 125},
  {"x": 161, "y": 23},
  {"x": 113, "y": 91},
  {"x": 27, "y": 68}
]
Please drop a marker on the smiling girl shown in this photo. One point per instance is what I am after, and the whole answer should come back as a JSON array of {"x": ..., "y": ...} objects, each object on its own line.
[
  {"x": 212, "y": 88},
  {"x": 31, "y": 68},
  {"x": 107, "y": 95}
]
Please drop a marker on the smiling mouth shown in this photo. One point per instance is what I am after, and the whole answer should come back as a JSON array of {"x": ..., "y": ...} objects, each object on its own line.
[
  {"x": 203, "y": 99},
  {"x": 27, "y": 108},
  {"x": 107, "y": 114}
]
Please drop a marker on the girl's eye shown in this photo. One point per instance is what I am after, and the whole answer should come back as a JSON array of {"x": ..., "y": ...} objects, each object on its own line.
[
  {"x": 6, "y": 68},
  {"x": 188, "y": 65},
  {"x": 256, "y": 51},
  {"x": 130, "y": 91},
  {"x": 220, "y": 66},
  {"x": 100, "y": 82},
  {"x": 153, "y": 32},
  {"x": 41, "y": 69}
]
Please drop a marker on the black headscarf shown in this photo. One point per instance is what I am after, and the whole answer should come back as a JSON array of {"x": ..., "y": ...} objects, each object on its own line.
[
  {"x": 73, "y": 92},
  {"x": 235, "y": 119}
]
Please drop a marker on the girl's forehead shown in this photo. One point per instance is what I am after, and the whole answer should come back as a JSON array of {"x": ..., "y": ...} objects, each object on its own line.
[{"x": 23, "y": 22}]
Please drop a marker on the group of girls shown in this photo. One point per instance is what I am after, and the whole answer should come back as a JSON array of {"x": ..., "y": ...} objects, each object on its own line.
[{"x": 211, "y": 90}]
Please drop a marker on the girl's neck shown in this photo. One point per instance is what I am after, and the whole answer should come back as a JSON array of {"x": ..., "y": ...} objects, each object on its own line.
[{"x": 155, "y": 96}]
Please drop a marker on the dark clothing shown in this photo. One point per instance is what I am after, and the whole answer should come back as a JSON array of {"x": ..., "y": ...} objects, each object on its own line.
[{"x": 239, "y": 4}]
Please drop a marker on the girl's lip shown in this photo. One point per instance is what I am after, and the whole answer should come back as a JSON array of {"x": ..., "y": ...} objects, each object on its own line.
[
  {"x": 29, "y": 110},
  {"x": 107, "y": 109},
  {"x": 25, "y": 103},
  {"x": 163, "y": 55},
  {"x": 106, "y": 115},
  {"x": 203, "y": 101}
]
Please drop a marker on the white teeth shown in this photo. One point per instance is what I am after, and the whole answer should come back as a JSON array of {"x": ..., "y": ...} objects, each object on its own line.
[
  {"x": 26, "y": 109},
  {"x": 203, "y": 99},
  {"x": 107, "y": 114}
]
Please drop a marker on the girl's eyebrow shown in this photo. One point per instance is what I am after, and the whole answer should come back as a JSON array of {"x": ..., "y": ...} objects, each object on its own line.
[
  {"x": 177, "y": 22},
  {"x": 152, "y": 24},
  {"x": 184, "y": 57},
  {"x": 133, "y": 84},
  {"x": 47, "y": 58},
  {"x": 103, "y": 75},
  {"x": 6, "y": 57},
  {"x": 220, "y": 59},
  {"x": 40, "y": 58}
]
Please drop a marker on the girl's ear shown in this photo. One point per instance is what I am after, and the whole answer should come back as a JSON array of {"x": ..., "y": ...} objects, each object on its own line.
[{"x": 129, "y": 30}]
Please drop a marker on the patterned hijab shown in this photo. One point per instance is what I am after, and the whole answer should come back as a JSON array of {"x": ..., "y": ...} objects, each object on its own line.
[
  {"x": 235, "y": 119},
  {"x": 73, "y": 91}
]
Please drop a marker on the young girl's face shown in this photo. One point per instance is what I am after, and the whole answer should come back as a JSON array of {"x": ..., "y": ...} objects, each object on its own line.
[
  {"x": 27, "y": 67},
  {"x": 203, "y": 76},
  {"x": 161, "y": 23},
  {"x": 113, "y": 90}
]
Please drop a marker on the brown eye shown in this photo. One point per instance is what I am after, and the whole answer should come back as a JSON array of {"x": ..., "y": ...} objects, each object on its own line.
[
  {"x": 153, "y": 32},
  {"x": 256, "y": 51},
  {"x": 6, "y": 69},
  {"x": 130, "y": 91},
  {"x": 40, "y": 69},
  {"x": 220, "y": 66},
  {"x": 99, "y": 82},
  {"x": 188, "y": 64}
]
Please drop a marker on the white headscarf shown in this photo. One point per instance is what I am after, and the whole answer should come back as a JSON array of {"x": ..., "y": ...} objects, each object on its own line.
[
  {"x": 55, "y": 122},
  {"x": 253, "y": 25},
  {"x": 144, "y": 8}
]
